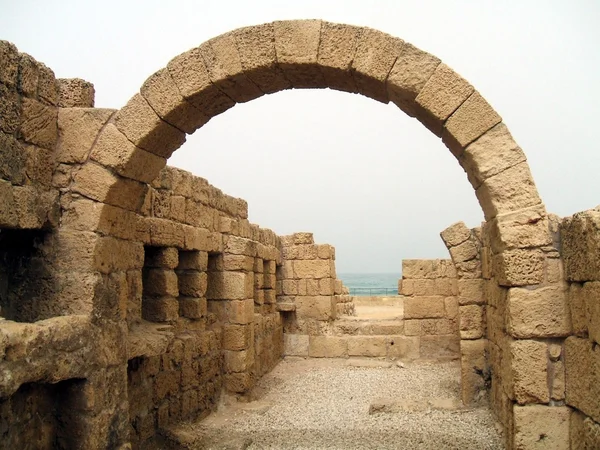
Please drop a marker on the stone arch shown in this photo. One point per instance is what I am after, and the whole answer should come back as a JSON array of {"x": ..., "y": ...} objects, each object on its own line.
[{"x": 247, "y": 63}]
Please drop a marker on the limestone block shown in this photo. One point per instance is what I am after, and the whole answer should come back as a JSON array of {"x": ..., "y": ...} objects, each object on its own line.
[
  {"x": 442, "y": 94},
  {"x": 201, "y": 239},
  {"x": 508, "y": 191},
  {"x": 9, "y": 63},
  {"x": 376, "y": 53},
  {"x": 240, "y": 246},
  {"x": 423, "y": 287},
  {"x": 451, "y": 307},
  {"x": 338, "y": 287},
  {"x": 371, "y": 346},
  {"x": 424, "y": 307},
  {"x": 585, "y": 303},
  {"x": 225, "y": 70},
  {"x": 270, "y": 296},
  {"x": 10, "y": 110},
  {"x": 166, "y": 233},
  {"x": 471, "y": 291},
  {"x": 312, "y": 269},
  {"x": 142, "y": 126},
  {"x": 38, "y": 123},
  {"x": 470, "y": 121},
  {"x": 161, "y": 257},
  {"x": 540, "y": 426},
  {"x": 472, "y": 365},
  {"x": 525, "y": 228},
  {"x": 519, "y": 267},
  {"x": 237, "y": 337},
  {"x": 327, "y": 286},
  {"x": 199, "y": 215},
  {"x": 319, "y": 307},
  {"x": 580, "y": 236},
  {"x": 75, "y": 93},
  {"x": 162, "y": 95},
  {"x": 432, "y": 327},
  {"x": 98, "y": 183},
  {"x": 529, "y": 371},
  {"x": 557, "y": 380},
  {"x": 409, "y": 74},
  {"x": 192, "y": 79},
  {"x": 238, "y": 262},
  {"x": 327, "y": 347},
  {"x": 297, "y": 239},
  {"x": 192, "y": 283},
  {"x": 336, "y": 52},
  {"x": 229, "y": 285},
  {"x": 77, "y": 130},
  {"x": 237, "y": 361},
  {"x": 289, "y": 287},
  {"x": 403, "y": 347},
  {"x": 237, "y": 382},
  {"x": 492, "y": 153},
  {"x": 160, "y": 282},
  {"x": 162, "y": 309},
  {"x": 29, "y": 73},
  {"x": 585, "y": 433},
  {"x": 192, "y": 307},
  {"x": 440, "y": 346},
  {"x": 464, "y": 251},
  {"x": 296, "y": 344},
  {"x": 406, "y": 287},
  {"x": 256, "y": 48},
  {"x": 47, "y": 86},
  {"x": 445, "y": 286},
  {"x": 582, "y": 363},
  {"x": 33, "y": 207},
  {"x": 455, "y": 234},
  {"x": 297, "y": 46},
  {"x": 239, "y": 312},
  {"x": 542, "y": 312},
  {"x": 472, "y": 324},
  {"x": 14, "y": 159}
]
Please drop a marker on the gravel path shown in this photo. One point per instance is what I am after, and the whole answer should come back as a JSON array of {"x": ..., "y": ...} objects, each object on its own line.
[{"x": 328, "y": 404}]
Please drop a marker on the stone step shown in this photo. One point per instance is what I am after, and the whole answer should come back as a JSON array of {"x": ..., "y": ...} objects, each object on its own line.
[{"x": 354, "y": 327}]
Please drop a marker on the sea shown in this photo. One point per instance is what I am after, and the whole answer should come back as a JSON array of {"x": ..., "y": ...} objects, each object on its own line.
[{"x": 365, "y": 284}]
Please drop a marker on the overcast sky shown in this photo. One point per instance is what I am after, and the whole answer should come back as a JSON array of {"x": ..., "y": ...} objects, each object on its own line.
[{"x": 359, "y": 174}]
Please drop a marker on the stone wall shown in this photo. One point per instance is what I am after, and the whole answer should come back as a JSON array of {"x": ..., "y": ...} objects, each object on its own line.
[
  {"x": 581, "y": 253},
  {"x": 431, "y": 306}
]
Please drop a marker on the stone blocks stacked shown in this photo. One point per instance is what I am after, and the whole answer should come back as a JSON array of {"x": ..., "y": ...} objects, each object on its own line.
[{"x": 430, "y": 293}]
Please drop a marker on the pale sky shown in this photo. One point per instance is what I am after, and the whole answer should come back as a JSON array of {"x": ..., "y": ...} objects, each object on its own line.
[{"x": 359, "y": 174}]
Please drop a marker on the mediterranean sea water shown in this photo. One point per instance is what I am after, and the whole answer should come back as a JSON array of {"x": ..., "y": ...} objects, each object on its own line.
[{"x": 371, "y": 283}]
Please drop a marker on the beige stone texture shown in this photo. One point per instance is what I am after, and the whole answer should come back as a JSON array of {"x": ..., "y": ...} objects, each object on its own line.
[
  {"x": 240, "y": 246},
  {"x": 557, "y": 380},
  {"x": 327, "y": 347},
  {"x": 465, "y": 251},
  {"x": 161, "y": 257},
  {"x": 238, "y": 262},
  {"x": 508, "y": 191},
  {"x": 77, "y": 130},
  {"x": 297, "y": 46},
  {"x": 519, "y": 267},
  {"x": 162, "y": 95},
  {"x": 540, "y": 426},
  {"x": 372, "y": 346},
  {"x": 47, "y": 86},
  {"x": 229, "y": 285},
  {"x": 525, "y": 228},
  {"x": 10, "y": 110},
  {"x": 313, "y": 269},
  {"x": 585, "y": 433},
  {"x": 319, "y": 307},
  {"x": 442, "y": 94},
  {"x": 455, "y": 234},
  {"x": 240, "y": 312},
  {"x": 160, "y": 309},
  {"x": 490, "y": 154},
  {"x": 9, "y": 62},
  {"x": 193, "y": 307},
  {"x": 189, "y": 73},
  {"x": 424, "y": 307},
  {"x": 192, "y": 283},
  {"x": 376, "y": 53},
  {"x": 470, "y": 291},
  {"x": 580, "y": 236},
  {"x": 470, "y": 121},
  {"x": 337, "y": 48},
  {"x": 237, "y": 337},
  {"x": 297, "y": 344},
  {"x": 403, "y": 347},
  {"x": 440, "y": 346},
  {"x": 582, "y": 364},
  {"x": 473, "y": 365},
  {"x": 410, "y": 72},
  {"x": 529, "y": 371},
  {"x": 256, "y": 48},
  {"x": 225, "y": 70},
  {"x": 113, "y": 150},
  {"x": 451, "y": 307},
  {"x": 75, "y": 93},
  {"x": 38, "y": 123},
  {"x": 472, "y": 321},
  {"x": 423, "y": 287},
  {"x": 538, "y": 313},
  {"x": 236, "y": 361},
  {"x": 160, "y": 282}
]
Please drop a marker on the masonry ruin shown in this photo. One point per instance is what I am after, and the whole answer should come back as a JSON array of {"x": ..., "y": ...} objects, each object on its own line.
[{"x": 134, "y": 294}]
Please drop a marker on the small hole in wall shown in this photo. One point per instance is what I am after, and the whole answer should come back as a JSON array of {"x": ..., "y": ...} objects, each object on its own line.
[{"x": 392, "y": 343}]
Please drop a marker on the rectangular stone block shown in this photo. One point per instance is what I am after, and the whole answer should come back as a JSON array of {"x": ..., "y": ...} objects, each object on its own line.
[
  {"x": 580, "y": 236},
  {"x": 161, "y": 257},
  {"x": 441, "y": 346},
  {"x": 424, "y": 307},
  {"x": 192, "y": 308},
  {"x": 519, "y": 267},
  {"x": 192, "y": 283},
  {"x": 193, "y": 260},
  {"x": 423, "y": 287},
  {"x": 367, "y": 345},
  {"x": 472, "y": 321},
  {"x": 582, "y": 363},
  {"x": 319, "y": 307},
  {"x": 327, "y": 347},
  {"x": 312, "y": 269},
  {"x": 160, "y": 282},
  {"x": 295, "y": 344},
  {"x": 336, "y": 51},
  {"x": 470, "y": 291},
  {"x": 403, "y": 347},
  {"x": 541, "y": 426},
  {"x": 529, "y": 361},
  {"x": 229, "y": 286},
  {"x": 237, "y": 337},
  {"x": 162, "y": 309},
  {"x": 239, "y": 312}
]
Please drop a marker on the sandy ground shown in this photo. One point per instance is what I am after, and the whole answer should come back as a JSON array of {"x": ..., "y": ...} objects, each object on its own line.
[{"x": 349, "y": 404}]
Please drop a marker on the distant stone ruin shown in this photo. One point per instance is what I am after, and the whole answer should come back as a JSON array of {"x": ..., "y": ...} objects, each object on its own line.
[{"x": 133, "y": 294}]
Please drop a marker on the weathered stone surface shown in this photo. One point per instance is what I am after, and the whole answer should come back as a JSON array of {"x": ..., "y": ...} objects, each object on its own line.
[
  {"x": 542, "y": 312},
  {"x": 9, "y": 64},
  {"x": 473, "y": 366},
  {"x": 75, "y": 93},
  {"x": 327, "y": 347},
  {"x": 10, "y": 110},
  {"x": 230, "y": 285},
  {"x": 297, "y": 45},
  {"x": 519, "y": 267},
  {"x": 470, "y": 121},
  {"x": 424, "y": 307},
  {"x": 77, "y": 130},
  {"x": 38, "y": 123},
  {"x": 525, "y": 228},
  {"x": 337, "y": 48},
  {"x": 582, "y": 364},
  {"x": 319, "y": 307},
  {"x": 540, "y": 426},
  {"x": 298, "y": 345},
  {"x": 443, "y": 346},
  {"x": 28, "y": 77},
  {"x": 455, "y": 234},
  {"x": 529, "y": 369},
  {"x": 581, "y": 246},
  {"x": 472, "y": 325},
  {"x": 376, "y": 53}
]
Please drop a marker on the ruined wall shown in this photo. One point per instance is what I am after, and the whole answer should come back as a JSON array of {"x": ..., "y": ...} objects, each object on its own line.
[
  {"x": 431, "y": 306},
  {"x": 581, "y": 254}
]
